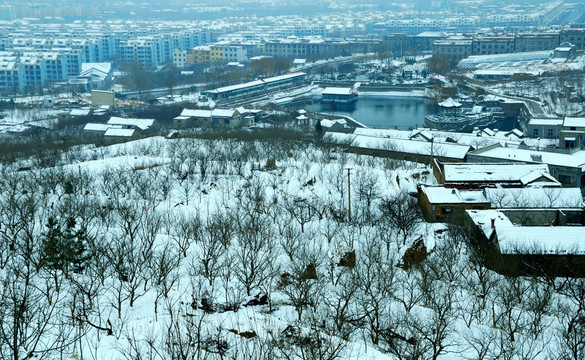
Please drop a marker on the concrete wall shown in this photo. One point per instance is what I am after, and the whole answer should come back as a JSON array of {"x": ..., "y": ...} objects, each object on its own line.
[{"x": 99, "y": 97}]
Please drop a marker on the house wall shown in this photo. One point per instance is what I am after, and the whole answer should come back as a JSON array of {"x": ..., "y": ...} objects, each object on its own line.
[
  {"x": 543, "y": 131},
  {"x": 446, "y": 212},
  {"x": 102, "y": 98},
  {"x": 182, "y": 123}
]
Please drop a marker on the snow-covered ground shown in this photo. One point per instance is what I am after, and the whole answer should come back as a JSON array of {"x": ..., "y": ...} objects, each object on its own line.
[
  {"x": 217, "y": 249},
  {"x": 17, "y": 120}
]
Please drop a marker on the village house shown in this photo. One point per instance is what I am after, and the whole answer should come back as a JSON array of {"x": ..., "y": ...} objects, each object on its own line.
[
  {"x": 544, "y": 127},
  {"x": 480, "y": 175},
  {"x": 555, "y": 248},
  {"x": 114, "y": 135},
  {"x": 531, "y": 205},
  {"x": 143, "y": 126},
  {"x": 219, "y": 118},
  {"x": 441, "y": 204},
  {"x": 567, "y": 168},
  {"x": 572, "y": 134}
]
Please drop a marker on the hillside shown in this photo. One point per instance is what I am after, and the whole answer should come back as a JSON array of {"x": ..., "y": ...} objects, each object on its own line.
[{"x": 245, "y": 248}]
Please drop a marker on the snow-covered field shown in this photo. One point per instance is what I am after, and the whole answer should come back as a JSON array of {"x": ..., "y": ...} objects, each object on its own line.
[
  {"x": 17, "y": 120},
  {"x": 205, "y": 249}
]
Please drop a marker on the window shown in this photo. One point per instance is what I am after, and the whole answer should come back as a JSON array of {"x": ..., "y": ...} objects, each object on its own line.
[
  {"x": 535, "y": 132},
  {"x": 446, "y": 209},
  {"x": 433, "y": 207},
  {"x": 550, "y": 133},
  {"x": 573, "y": 128}
]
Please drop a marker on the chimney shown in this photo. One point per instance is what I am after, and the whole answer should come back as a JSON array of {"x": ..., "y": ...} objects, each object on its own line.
[{"x": 493, "y": 223}]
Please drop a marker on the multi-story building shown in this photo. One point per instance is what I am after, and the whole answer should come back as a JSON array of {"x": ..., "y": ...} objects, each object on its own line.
[
  {"x": 303, "y": 48},
  {"x": 457, "y": 47},
  {"x": 33, "y": 72},
  {"x": 235, "y": 54},
  {"x": 180, "y": 58},
  {"x": 488, "y": 45},
  {"x": 145, "y": 52},
  {"x": 573, "y": 36},
  {"x": 9, "y": 75},
  {"x": 536, "y": 42},
  {"x": 207, "y": 54},
  {"x": 55, "y": 66}
]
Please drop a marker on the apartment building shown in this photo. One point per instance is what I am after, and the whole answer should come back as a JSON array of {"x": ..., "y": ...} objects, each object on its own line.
[
  {"x": 453, "y": 47},
  {"x": 9, "y": 75},
  {"x": 489, "y": 45},
  {"x": 146, "y": 52},
  {"x": 573, "y": 36},
  {"x": 33, "y": 72},
  {"x": 207, "y": 54},
  {"x": 536, "y": 42},
  {"x": 303, "y": 48}
]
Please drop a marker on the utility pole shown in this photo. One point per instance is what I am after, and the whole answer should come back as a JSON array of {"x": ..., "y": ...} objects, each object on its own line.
[
  {"x": 349, "y": 193},
  {"x": 432, "y": 155}
]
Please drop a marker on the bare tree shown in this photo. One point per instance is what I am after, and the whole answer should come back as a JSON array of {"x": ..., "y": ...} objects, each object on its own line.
[
  {"x": 164, "y": 271},
  {"x": 402, "y": 213},
  {"x": 376, "y": 276}
]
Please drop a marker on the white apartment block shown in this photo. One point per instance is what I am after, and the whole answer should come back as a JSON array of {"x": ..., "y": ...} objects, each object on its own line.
[
  {"x": 180, "y": 58},
  {"x": 235, "y": 54},
  {"x": 9, "y": 75}
]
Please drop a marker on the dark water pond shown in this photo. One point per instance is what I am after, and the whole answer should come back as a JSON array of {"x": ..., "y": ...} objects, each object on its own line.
[{"x": 380, "y": 112}]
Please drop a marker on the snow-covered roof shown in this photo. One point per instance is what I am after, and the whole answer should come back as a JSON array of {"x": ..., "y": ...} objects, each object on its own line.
[
  {"x": 329, "y": 123},
  {"x": 226, "y": 113},
  {"x": 575, "y": 160},
  {"x": 533, "y": 197},
  {"x": 431, "y": 34},
  {"x": 98, "y": 70},
  {"x": 338, "y": 138},
  {"x": 120, "y": 132},
  {"x": 338, "y": 91},
  {"x": 236, "y": 87},
  {"x": 442, "y": 195},
  {"x": 424, "y": 133},
  {"x": 552, "y": 240},
  {"x": 80, "y": 112},
  {"x": 545, "y": 121},
  {"x": 283, "y": 77},
  {"x": 384, "y": 133},
  {"x": 483, "y": 219},
  {"x": 543, "y": 176},
  {"x": 450, "y": 103},
  {"x": 99, "y": 127},
  {"x": 469, "y": 172},
  {"x": 505, "y": 72},
  {"x": 196, "y": 113},
  {"x": 102, "y": 67},
  {"x": 512, "y": 57},
  {"x": 142, "y": 124},
  {"x": 574, "y": 121},
  {"x": 512, "y": 239},
  {"x": 515, "y": 132},
  {"x": 454, "y": 151}
]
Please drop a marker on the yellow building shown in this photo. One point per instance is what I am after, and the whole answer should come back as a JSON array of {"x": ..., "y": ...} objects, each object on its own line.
[{"x": 207, "y": 54}]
